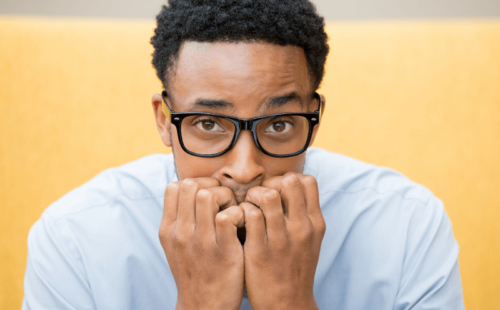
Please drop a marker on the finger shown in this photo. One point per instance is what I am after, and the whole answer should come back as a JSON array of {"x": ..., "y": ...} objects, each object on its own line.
[
  {"x": 292, "y": 195},
  {"x": 208, "y": 203},
  {"x": 226, "y": 224},
  {"x": 311, "y": 193},
  {"x": 269, "y": 201},
  {"x": 169, "y": 216},
  {"x": 274, "y": 183},
  {"x": 313, "y": 204},
  {"x": 170, "y": 202},
  {"x": 187, "y": 198},
  {"x": 254, "y": 224}
]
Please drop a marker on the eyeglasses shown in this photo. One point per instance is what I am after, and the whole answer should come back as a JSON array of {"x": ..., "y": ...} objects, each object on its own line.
[{"x": 211, "y": 135}]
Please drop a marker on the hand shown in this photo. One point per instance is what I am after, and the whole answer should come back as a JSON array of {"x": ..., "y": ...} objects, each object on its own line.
[
  {"x": 284, "y": 230},
  {"x": 202, "y": 249}
]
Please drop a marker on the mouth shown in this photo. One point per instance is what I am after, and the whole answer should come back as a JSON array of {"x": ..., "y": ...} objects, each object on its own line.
[
  {"x": 240, "y": 190},
  {"x": 240, "y": 198},
  {"x": 240, "y": 194}
]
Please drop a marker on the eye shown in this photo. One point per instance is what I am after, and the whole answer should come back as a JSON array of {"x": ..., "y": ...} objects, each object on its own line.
[
  {"x": 279, "y": 127},
  {"x": 208, "y": 125}
]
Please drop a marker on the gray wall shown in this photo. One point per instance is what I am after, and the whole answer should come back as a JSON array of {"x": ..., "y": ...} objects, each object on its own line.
[{"x": 333, "y": 10}]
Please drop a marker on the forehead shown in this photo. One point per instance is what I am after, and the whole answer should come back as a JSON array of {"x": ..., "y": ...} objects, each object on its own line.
[{"x": 244, "y": 74}]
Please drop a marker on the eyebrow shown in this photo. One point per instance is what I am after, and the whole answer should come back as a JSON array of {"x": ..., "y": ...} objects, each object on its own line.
[
  {"x": 222, "y": 105},
  {"x": 212, "y": 104},
  {"x": 278, "y": 102}
]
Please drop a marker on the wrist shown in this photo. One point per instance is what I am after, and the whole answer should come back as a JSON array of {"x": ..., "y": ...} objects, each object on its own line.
[
  {"x": 285, "y": 303},
  {"x": 213, "y": 304},
  {"x": 308, "y": 304}
]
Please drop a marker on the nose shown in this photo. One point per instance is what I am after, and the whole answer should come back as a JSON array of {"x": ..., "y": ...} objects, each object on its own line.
[{"x": 243, "y": 163}]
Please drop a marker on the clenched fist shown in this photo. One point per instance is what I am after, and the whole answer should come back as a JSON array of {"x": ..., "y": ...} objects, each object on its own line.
[
  {"x": 198, "y": 235},
  {"x": 284, "y": 230}
]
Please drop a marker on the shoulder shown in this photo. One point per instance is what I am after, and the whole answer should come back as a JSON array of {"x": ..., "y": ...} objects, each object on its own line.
[
  {"x": 364, "y": 204},
  {"x": 122, "y": 203},
  {"x": 367, "y": 200},
  {"x": 104, "y": 230},
  {"x": 383, "y": 228},
  {"x": 145, "y": 178},
  {"x": 342, "y": 174}
]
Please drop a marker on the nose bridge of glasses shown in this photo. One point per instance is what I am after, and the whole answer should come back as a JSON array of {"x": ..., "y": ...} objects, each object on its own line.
[{"x": 246, "y": 124}]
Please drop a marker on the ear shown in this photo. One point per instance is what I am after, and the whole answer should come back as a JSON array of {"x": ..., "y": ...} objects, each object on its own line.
[
  {"x": 322, "y": 112},
  {"x": 162, "y": 123}
]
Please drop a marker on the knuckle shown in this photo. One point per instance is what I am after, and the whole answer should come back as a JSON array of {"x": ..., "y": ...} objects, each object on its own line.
[
  {"x": 162, "y": 234},
  {"x": 172, "y": 188},
  {"x": 233, "y": 211},
  {"x": 226, "y": 190},
  {"x": 240, "y": 211},
  {"x": 204, "y": 195},
  {"x": 271, "y": 195},
  {"x": 254, "y": 214},
  {"x": 246, "y": 207},
  {"x": 321, "y": 226},
  {"x": 179, "y": 240},
  {"x": 291, "y": 180},
  {"x": 309, "y": 181},
  {"x": 237, "y": 213},
  {"x": 189, "y": 184},
  {"x": 304, "y": 234},
  {"x": 222, "y": 218}
]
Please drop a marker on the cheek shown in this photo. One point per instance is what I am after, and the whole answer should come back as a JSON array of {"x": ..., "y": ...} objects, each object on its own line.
[
  {"x": 189, "y": 166},
  {"x": 280, "y": 166},
  {"x": 196, "y": 167}
]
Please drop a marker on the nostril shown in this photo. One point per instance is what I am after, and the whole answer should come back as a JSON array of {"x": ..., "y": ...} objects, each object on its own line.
[{"x": 227, "y": 176}]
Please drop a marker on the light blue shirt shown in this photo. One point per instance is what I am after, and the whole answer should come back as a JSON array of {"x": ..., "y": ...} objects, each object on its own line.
[{"x": 388, "y": 244}]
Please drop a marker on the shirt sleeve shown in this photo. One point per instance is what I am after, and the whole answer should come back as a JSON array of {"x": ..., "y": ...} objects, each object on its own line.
[
  {"x": 55, "y": 275},
  {"x": 430, "y": 278}
]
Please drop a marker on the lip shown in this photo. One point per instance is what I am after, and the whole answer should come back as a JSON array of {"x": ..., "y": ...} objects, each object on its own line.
[
  {"x": 240, "y": 194},
  {"x": 240, "y": 198},
  {"x": 239, "y": 190}
]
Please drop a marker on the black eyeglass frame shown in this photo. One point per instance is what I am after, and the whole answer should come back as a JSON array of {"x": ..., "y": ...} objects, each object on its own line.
[{"x": 176, "y": 119}]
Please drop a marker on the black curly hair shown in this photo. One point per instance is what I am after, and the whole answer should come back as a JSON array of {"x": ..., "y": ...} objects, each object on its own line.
[{"x": 282, "y": 22}]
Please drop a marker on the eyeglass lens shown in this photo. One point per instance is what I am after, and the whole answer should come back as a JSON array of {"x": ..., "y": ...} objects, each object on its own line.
[{"x": 280, "y": 135}]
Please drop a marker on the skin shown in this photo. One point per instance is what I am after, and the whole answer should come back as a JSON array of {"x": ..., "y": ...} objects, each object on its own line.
[{"x": 244, "y": 188}]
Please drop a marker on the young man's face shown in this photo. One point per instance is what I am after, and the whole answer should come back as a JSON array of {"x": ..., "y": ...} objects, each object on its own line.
[{"x": 243, "y": 78}]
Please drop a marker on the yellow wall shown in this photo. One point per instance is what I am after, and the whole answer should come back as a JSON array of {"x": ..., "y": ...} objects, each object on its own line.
[{"x": 423, "y": 98}]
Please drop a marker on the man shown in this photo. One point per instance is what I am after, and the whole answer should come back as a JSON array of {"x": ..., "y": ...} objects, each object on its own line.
[{"x": 246, "y": 218}]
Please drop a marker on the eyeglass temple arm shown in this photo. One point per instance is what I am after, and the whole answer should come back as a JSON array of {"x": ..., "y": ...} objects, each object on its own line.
[
  {"x": 320, "y": 103},
  {"x": 164, "y": 107}
]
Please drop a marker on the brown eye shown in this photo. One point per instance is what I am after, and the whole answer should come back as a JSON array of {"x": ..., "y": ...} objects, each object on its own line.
[
  {"x": 207, "y": 125},
  {"x": 279, "y": 127}
]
